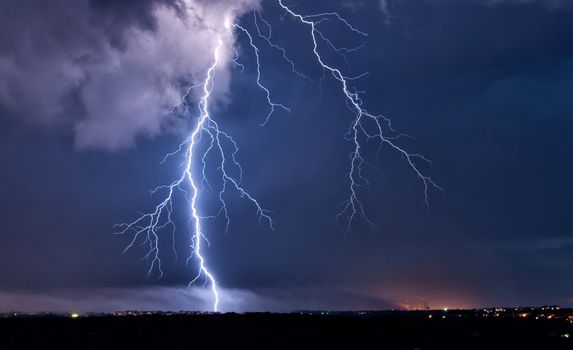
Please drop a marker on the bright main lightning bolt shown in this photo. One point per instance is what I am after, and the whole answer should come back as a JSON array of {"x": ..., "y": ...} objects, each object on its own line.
[
  {"x": 365, "y": 125},
  {"x": 149, "y": 225}
]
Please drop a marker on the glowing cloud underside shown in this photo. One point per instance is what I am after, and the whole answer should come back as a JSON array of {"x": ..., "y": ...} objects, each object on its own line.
[{"x": 147, "y": 228}]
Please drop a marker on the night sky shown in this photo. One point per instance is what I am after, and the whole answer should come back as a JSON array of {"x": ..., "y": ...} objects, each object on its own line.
[{"x": 484, "y": 87}]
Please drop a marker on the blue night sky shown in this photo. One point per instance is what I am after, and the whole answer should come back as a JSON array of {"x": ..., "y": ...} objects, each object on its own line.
[{"x": 484, "y": 88}]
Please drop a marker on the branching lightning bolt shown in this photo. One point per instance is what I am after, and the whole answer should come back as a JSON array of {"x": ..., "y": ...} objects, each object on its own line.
[
  {"x": 353, "y": 207},
  {"x": 273, "y": 105},
  {"x": 146, "y": 229},
  {"x": 268, "y": 39},
  {"x": 148, "y": 226}
]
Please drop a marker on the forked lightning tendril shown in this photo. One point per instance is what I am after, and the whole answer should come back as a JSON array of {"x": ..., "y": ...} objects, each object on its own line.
[{"x": 377, "y": 129}]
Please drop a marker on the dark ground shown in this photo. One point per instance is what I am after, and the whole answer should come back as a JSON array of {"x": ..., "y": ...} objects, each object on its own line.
[{"x": 389, "y": 330}]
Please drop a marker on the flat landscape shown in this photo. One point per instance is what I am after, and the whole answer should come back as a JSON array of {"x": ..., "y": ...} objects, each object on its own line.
[{"x": 473, "y": 329}]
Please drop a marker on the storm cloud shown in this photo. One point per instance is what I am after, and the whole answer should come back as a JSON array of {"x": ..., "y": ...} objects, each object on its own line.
[{"x": 109, "y": 70}]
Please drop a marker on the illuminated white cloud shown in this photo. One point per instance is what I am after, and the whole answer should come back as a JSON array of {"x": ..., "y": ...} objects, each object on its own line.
[{"x": 66, "y": 68}]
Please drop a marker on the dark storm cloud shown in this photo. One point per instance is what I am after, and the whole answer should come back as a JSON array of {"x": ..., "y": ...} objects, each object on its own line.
[
  {"x": 43, "y": 38},
  {"x": 48, "y": 53}
]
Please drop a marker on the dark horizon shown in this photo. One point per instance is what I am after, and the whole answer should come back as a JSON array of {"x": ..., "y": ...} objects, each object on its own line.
[{"x": 278, "y": 331}]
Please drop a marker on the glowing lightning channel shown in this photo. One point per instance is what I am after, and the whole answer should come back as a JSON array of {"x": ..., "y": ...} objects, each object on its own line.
[
  {"x": 352, "y": 207},
  {"x": 149, "y": 225},
  {"x": 203, "y": 120}
]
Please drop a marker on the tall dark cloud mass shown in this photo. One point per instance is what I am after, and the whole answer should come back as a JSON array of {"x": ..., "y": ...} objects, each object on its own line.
[{"x": 485, "y": 87}]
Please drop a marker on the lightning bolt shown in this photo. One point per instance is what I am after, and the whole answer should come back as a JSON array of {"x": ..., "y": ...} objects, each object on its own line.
[
  {"x": 268, "y": 38},
  {"x": 273, "y": 105},
  {"x": 382, "y": 131},
  {"x": 147, "y": 228}
]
